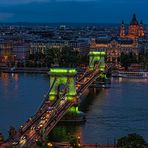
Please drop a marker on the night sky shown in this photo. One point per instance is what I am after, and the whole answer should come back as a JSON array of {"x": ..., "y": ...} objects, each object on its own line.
[{"x": 77, "y": 11}]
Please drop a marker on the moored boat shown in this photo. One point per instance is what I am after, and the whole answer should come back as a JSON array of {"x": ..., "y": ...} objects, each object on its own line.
[{"x": 131, "y": 74}]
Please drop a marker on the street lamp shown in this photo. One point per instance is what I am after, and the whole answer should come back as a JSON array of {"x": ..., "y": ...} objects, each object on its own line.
[
  {"x": 79, "y": 145},
  {"x": 49, "y": 144}
]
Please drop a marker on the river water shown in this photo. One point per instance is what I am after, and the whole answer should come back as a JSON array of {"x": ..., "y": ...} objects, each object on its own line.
[{"x": 111, "y": 113}]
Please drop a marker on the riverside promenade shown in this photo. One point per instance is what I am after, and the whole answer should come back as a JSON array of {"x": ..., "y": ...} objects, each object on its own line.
[
  {"x": 65, "y": 145},
  {"x": 43, "y": 70}
]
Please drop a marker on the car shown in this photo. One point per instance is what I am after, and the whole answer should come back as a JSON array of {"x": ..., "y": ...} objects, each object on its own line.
[
  {"x": 32, "y": 128},
  {"x": 43, "y": 121},
  {"x": 50, "y": 108},
  {"x": 15, "y": 143},
  {"x": 62, "y": 101},
  {"x": 24, "y": 137},
  {"x": 23, "y": 140},
  {"x": 40, "y": 126},
  {"x": 42, "y": 117}
]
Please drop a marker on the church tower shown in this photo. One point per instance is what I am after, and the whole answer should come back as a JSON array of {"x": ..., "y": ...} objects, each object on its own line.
[
  {"x": 133, "y": 30},
  {"x": 141, "y": 30},
  {"x": 93, "y": 43},
  {"x": 122, "y": 30}
]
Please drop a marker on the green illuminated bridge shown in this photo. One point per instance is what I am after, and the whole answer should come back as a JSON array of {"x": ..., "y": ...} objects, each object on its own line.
[{"x": 66, "y": 88}]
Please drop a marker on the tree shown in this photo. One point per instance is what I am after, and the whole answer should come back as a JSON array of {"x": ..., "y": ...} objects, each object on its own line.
[
  {"x": 131, "y": 141},
  {"x": 127, "y": 59},
  {"x": 12, "y": 132},
  {"x": 50, "y": 55},
  {"x": 69, "y": 57},
  {"x": 84, "y": 59},
  {"x": 31, "y": 57},
  {"x": 39, "y": 144},
  {"x": 1, "y": 138},
  {"x": 73, "y": 141},
  {"x": 124, "y": 60},
  {"x": 132, "y": 58},
  {"x": 64, "y": 57},
  {"x": 143, "y": 58}
]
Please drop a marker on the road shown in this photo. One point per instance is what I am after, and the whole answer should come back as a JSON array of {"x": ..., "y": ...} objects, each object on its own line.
[{"x": 50, "y": 113}]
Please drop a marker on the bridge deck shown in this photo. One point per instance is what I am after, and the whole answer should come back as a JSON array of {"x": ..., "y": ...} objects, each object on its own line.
[{"x": 45, "y": 120}]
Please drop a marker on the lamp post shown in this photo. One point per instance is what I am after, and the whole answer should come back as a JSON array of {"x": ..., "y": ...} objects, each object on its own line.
[
  {"x": 79, "y": 142},
  {"x": 50, "y": 145}
]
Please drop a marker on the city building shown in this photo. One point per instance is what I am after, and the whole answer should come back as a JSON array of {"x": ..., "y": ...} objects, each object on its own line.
[
  {"x": 6, "y": 51},
  {"x": 135, "y": 30},
  {"x": 18, "y": 42},
  {"x": 42, "y": 45},
  {"x": 114, "y": 47},
  {"x": 124, "y": 43},
  {"x": 20, "y": 50}
]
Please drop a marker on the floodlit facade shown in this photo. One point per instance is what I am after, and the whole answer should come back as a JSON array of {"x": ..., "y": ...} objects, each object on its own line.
[
  {"x": 114, "y": 47},
  {"x": 135, "y": 30},
  {"x": 124, "y": 43}
]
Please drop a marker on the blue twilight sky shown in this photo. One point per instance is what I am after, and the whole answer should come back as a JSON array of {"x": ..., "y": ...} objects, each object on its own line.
[{"x": 101, "y": 11}]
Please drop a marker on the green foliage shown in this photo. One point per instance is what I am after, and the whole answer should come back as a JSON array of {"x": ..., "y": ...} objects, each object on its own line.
[
  {"x": 1, "y": 138},
  {"x": 131, "y": 141},
  {"x": 102, "y": 77},
  {"x": 143, "y": 58},
  {"x": 64, "y": 57},
  {"x": 73, "y": 141},
  {"x": 62, "y": 133},
  {"x": 52, "y": 55},
  {"x": 39, "y": 143},
  {"x": 58, "y": 134},
  {"x": 35, "y": 60},
  {"x": 84, "y": 59},
  {"x": 69, "y": 57},
  {"x": 127, "y": 59}
]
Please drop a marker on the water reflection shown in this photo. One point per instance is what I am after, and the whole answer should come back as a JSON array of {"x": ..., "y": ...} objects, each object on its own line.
[
  {"x": 115, "y": 112},
  {"x": 89, "y": 99},
  {"x": 6, "y": 82},
  {"x": 4, "y": 79},
  {"x": 118, "y": 111},
  {"x": 62, "y": 133},
  {"x": 110, "y": 113},
  {"x": 15, "y": 76},
  {"x": 20, "y": 97}
]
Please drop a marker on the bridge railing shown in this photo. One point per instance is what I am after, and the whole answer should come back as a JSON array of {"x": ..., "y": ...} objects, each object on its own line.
[{"x": 62, "y": 110}]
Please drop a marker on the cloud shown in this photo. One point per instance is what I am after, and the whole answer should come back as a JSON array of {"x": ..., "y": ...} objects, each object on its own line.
[
  {"x": 9, "y": 2},
  {"x": 5, "y": 15},
  {"x": 76, "y": 0},
  {"x": 73, "y": 10},
  {"x": 104, "y": 1}
]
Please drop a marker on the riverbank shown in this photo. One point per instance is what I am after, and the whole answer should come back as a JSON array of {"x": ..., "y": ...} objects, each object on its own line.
[
  {"x": 37, "y": 70},
  {"x": 43, "y": 70},
  {"x": 66, "y": 145},
  {"x": 110, "y": 113},
  {"x": 131, "y": 74}
]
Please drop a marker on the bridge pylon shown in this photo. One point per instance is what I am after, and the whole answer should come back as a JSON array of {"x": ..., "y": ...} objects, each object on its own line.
[
  {"x": 62, "y": 77},
  {"x": 97, "y": 61},
  {"x": 97, "y": 57}
]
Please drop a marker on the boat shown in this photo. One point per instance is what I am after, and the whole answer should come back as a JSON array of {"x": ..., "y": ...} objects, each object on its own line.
[{"x": 131, "y": 74}]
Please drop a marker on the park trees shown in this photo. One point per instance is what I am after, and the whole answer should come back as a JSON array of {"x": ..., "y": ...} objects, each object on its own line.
[{"x": 131, "y": 141}]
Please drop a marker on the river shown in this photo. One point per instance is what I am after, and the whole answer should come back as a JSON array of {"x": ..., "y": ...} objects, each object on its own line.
[{"x": 111, "y": 113}]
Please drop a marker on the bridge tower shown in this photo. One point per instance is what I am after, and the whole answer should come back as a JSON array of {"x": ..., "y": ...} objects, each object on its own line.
[
  {"x": 97, "y": 61},
  {"x": 62, "y": 77},
  {"x": 97, "y": 57}
]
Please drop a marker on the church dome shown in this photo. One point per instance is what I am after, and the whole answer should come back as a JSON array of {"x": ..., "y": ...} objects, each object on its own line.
[{"x": 134, "y": 20}]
